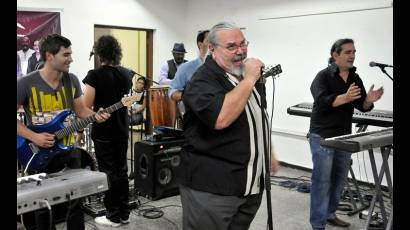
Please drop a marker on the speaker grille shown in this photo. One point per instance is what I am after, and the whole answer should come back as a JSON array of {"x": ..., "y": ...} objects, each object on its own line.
[{"x": 157, "y": 168}]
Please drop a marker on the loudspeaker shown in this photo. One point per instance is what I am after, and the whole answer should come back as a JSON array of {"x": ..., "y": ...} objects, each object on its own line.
[{"x": 156, "y": 166}]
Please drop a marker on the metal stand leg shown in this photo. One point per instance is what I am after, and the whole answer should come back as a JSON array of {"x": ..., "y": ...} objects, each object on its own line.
[
  {"x": 362, "y": 128},
  {"x": 390, "y": 223},
  {"x": 362, "y": 203},
  {"x": 142, "y": 130},
  {"x": 377, "y": 182},
  {"x": 131, "y": 176}
]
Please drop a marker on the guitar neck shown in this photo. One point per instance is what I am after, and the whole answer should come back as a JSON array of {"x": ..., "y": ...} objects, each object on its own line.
[{"x": 82, "y": 123}]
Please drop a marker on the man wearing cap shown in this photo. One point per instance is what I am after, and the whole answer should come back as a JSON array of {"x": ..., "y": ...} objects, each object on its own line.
[
  {"x": 168, "y": 69},
  {"x": 24, "y": 54}
]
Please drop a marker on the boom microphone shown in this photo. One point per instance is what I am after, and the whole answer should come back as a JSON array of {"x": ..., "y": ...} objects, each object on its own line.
[{"x": 372, "y": 64}]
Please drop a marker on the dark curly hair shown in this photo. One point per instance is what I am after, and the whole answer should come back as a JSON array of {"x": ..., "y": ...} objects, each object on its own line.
[{"x": 108, "y": 50}]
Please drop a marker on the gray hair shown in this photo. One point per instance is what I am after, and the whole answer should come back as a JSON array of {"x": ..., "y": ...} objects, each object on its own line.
[{"x": 212, "y": 39}]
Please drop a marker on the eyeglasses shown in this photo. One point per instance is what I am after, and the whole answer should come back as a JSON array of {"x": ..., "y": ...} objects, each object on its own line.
[{"x": 233, "y": 47}]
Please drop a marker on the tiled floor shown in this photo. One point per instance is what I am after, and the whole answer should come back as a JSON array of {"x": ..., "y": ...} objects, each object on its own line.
[{"x": 290, "y": 211}]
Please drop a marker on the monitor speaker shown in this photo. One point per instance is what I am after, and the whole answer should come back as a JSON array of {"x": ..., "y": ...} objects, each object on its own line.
[{"x": 156, "y": 167}]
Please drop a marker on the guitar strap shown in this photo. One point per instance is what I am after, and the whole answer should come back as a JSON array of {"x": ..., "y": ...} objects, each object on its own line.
[{"x": 68, "y": 89}]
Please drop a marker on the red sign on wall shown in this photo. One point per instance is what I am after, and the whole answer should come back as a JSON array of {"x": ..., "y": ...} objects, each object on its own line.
[{"x": 36, "y": 25}]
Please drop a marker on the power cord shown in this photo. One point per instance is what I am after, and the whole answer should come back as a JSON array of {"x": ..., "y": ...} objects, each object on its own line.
[
  {"x": 304, "y": 187},
  {"x": 301, "y": 184},
  {"x": 344, "y": 207},
  {"x": 50, "y": 215},
  {"x": 376, "y": 220},
  {"x": 288, "y": 184},
  {"x": 151, "y": 212},
  {"x": 21, "y": 220}
]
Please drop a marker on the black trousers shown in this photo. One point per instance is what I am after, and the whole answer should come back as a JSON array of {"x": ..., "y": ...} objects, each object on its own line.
[
  {"x": 112, "y": 160},
  {"x": 74, "y": 216}
]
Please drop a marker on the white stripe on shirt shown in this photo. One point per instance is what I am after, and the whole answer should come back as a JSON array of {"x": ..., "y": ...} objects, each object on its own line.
[{"x": 252, "y": 109}]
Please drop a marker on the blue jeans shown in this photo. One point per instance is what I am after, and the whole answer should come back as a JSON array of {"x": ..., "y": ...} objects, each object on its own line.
[{"x": 330, "y": 169}]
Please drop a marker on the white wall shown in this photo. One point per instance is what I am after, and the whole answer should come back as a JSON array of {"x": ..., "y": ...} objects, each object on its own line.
[
  {"x": 78, "y": 18},
  {"x": 298, "y": 35}
]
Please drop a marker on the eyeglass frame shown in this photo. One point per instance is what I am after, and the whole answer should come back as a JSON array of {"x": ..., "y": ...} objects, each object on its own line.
[{"x": 234, "y": 48}]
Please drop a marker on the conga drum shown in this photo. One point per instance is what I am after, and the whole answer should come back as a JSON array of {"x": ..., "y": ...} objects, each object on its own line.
[{"x": 162, "y": 109}]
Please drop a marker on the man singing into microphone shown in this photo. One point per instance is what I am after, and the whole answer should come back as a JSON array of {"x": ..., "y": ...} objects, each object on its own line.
[
  {"x": 336, "y": 91},
  {"x": 222, "y": 161}
]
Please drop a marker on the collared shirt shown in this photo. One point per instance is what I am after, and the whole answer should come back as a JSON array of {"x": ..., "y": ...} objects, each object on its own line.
[
  {"x": 163, "y": 73},
  {"x": 329, "y": 121},
  {"x": 183, "y": 75},
  {"x": 226, "y": 161},
  {"x": 24, "y": 56}
]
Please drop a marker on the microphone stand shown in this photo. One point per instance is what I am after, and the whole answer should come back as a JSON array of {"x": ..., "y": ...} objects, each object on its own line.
[
  {"x": 131, "y": 176},
  {"x": 266, "y": 154},
  {"x": 384, "y": 71},
  {"x": 144, "y": 77}
]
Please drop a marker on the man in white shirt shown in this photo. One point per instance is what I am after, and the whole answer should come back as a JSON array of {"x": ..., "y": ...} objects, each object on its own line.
[
  {"x": 24, "y": 54},
  {"x": 169, "y": 68}
]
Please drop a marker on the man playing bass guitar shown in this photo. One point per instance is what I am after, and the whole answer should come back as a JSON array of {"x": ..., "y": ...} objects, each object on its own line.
[{"x": 42, "y": 94}]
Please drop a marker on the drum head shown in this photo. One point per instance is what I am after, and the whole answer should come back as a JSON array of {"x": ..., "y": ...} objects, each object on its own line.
[{"x": 154, "y": 87}]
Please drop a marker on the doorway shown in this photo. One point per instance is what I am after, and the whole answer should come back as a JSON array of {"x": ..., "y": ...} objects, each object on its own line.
[{"x": 137, "y": 54}]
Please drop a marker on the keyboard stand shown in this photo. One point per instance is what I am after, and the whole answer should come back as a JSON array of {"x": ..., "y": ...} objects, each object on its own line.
[
  {"x": 362, "y": 128},
  {"x": 356, "y": 186},
  {"x": 378, "y": 177}
]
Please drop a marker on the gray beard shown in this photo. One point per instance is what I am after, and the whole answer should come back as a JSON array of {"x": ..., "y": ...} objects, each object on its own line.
[{"x": 237, "y": 72}]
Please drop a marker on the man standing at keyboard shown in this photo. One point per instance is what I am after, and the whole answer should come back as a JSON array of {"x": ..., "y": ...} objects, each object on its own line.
[{"x": 336, "y": 91}]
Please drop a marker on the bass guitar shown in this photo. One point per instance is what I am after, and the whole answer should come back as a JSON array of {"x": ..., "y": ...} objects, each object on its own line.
[{"x": 36, "y": 158}]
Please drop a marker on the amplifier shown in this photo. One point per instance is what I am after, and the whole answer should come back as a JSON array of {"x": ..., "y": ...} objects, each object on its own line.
[{"x": 156, "y": 167}]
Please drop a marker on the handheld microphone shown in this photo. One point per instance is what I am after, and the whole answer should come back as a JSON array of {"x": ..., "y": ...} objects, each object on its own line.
[{"x": 372, "y": 64}]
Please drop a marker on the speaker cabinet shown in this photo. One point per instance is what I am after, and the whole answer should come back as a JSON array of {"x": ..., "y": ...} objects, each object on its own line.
[{"x": 156, "y": 166}]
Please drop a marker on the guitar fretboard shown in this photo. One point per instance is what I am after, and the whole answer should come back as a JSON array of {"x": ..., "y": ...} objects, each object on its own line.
[{"x": 82, "y": 123}]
